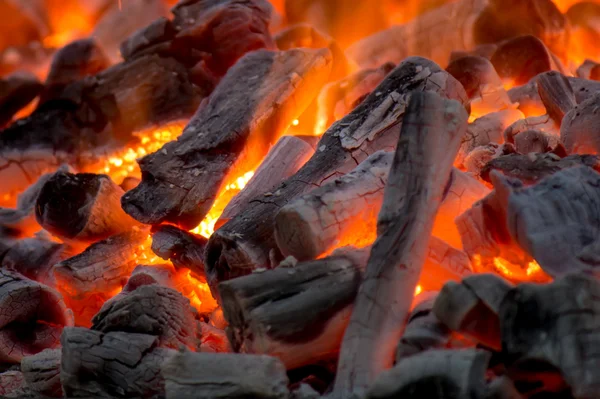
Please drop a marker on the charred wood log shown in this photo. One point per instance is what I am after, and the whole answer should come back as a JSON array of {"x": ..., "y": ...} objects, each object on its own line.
[
  {"x": 532, "y": 141},
  {"x": 153, "y": 310},
  {"x": 430, "y": 137},
  {"x": 480, "y": 156},
  {"x": 297, "y": 314},
  {"x": 246, "y": 242},
  {"x": 220, "y": 376},
  {"x": 443, "y": 263},
  {"x": 33, "y": 317},
  {"x": 184, "y": 249},
  {"x": 473, "y": 22},
  {"x": 148, "y": 38},
  {"x": 42, "y": 372},
  {"x": 549, "y": 336},
  {"x": 543, "y": 123},
  {"x": 579, "y": 131},
  {"x": 16, "y": 91},
  {"x": 589, "y": 70},
  {"x": 97, "y": 274},
  {"x": 13, "y": 385},
  {"x": 286, "y": 157},
  {"x": 214, "y": 145},
  {"x": 214, "y": 340},
  {"x": 557, "y": 95},
  {"x": 471, "y": 307},
  {"x": 338, "y": 99},
  {"x": 91, "y": 212},
  {"x": 111, "y": 365},
  {"x": 451, "y": 374}
]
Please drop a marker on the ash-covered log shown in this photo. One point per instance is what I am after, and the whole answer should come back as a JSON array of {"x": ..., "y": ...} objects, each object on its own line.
[
  {"x": 557, "y": 95},
  {"x": 286, "y": 157},
  {"x": 111, "y": 365},
  {"x": 33, "y": 317},
  {"x": 82, "y": 207},
  {"x": 224, "y": 376},
  {"x": 42, "y": 373},
  {"x": 550, "y": 336},
  {"x": 473, "y": 22},
  {"x": 16, "y": 91},
  {"x": 533, "y": 141},
  {"x": 97, "y": 274},
  {"x": 451, "y": 374},
  {"x": 13, "y": 385},
  {"x": 472, "y": 306},
  {"x": 480, "y": 156},
  {"x": 579, "y": 130},
  {"x": 184, "y": 249},
  {"x": 431, "y": 134},
  {"x": 588, "y": 70},
  {"x": 153, "y": 310},
  {"x": 268, "y": 90},
  {"x": 246, "y": 242},
  {"x": 297, "y": 313}
]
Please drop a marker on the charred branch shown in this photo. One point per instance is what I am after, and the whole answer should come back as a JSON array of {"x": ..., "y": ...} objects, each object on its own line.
[
  {"x": 579, "y": 130},
  {"x": 42, "y": 372},
  {"x": 184, "y": 249},
  {"x": 557, "y": 95}
]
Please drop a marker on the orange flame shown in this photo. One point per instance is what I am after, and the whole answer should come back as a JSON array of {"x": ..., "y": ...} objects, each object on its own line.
[{"x": 529, "y": 272}]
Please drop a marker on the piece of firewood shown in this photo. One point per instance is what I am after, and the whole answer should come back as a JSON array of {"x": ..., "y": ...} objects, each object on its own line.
[
  {"x": 33, "y": 317},
  {"x": 147, "y": 38},
  {"x": 431, "y": 134},
  {"x": 532, "y": 141},
  {"x": 479, "y": 157},
  {"x": 42, "y": 372},
  {"x": 557, "y": 94},
  {"x": 214, "y": 340},
  {"x": 269, "y": 90},
  {"x": 549, "y": 336},
  {"x": 461, "y": 25},
  {"x": 246, "y": 242},
  {"x": 184, "y": 249},
  {"x": 13, "y": 385},
  {"x": 338, "y": 99},
  {"x": 443, "y": 263},
  {"x": 286, "y": 157},
  {"x": 82, "y": 207},
  {"x": 450, "y": 374},
  {"x": 589, "y": 70},
  {"x": 298, "y": 313},
  {"x": 97, "y": 274},
  {"x": 111, "y": 365},
  {"x": 471, "y": 307},
  {"x": 153, "y": 310},
  {"x": 191, "y": 375},
  {"x": 16, "y": 91},
  {"x": 579, "y": 130},
  {"x": 543, "y": 123}
]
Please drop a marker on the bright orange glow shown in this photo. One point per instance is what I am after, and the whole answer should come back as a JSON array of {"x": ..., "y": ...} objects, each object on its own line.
[
  {"x": 418, "y": 290},
  {"x": 514, "y": 272},
  {"x": 207, "y": 226}
]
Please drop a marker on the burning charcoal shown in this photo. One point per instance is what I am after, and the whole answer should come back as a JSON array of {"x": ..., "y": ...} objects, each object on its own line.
[
  {"x": 33, "y": 319},
  {"x": 214, "y": 340},
  {"x": 579, "y": 131},
  {"x": 286, "y": 157},
  {"x": 486, "y": 130},
  {"x": 544, "y": 124},
  {"x": 82, "y": 207},
  {"x": 297, "y": 314},
  {"x": 16, "y": 91},
  {"x": 215, "y": 146},
  {"x": 443, "y": 263},
  {"x": 148, "y": 275},
  {"x": 42, "y": 373},
  {"x": 154, "y": 310},
  {"x": 471, "y": 307},
  {"x": 473, "y": 22},
  {"x": 111, "y": 365},
  {"x": 184, "y": 249},
  {"x": 589, "y": 70},
  {"x": 480, "y": 156},
  {"x": 532, "y": 141},
  {"x": 246, "y": 242},
  {"x": 224, "y": 376},
  {"x": 71, "y": 63},
  {"x": 531, "y": 168},
  {"x": 550, "y": 334},
  {"x": 338, "y": 99},
  {"x": 12, "y": 384},
  {"x": 557, "y": 95},
  {"x": 97, "y": 274},
  {"x": 431, "y": 135},
  {"x": 450, "y": 374},
  {"x": 147, "y": 38}
]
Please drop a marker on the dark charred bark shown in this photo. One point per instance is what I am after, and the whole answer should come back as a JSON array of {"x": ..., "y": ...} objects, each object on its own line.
[
  {"x": 557, "y": 95},
  {"x": 16, "y": 91},
  {"x": 184, "y": 249}
]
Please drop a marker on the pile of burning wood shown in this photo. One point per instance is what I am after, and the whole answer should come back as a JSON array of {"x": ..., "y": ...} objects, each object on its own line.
[{"x": 299, "y": 199}]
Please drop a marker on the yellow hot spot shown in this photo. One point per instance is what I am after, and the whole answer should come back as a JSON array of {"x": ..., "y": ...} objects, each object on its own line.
[{"x": 418, "y": 290}]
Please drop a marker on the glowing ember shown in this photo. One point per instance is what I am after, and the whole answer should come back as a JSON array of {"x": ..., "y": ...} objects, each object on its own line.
[
  {"x": 418, "y": 290},
  {"x": 207, "y": 226},
  {"x": 529, "y": 272}
]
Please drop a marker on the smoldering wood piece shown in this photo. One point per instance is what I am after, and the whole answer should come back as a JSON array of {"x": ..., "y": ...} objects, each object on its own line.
[
  {"x": 32, "y": 319},
  {"x": 82, "y": 207},
  {"x": 449, "y": 374},
  {"x": 473, "y": 22},
  {"x": 588, "y": 70},
  {"x": 153, "y": 310},
  {"x": 144, "y": 39},
  {"x": 129, "y": 183},
  {"x": 111, "y": 365},
  {"x": 42, "y": 372},
  {"x": 543, "y": 123},
  {"x": 246, "y": 242},
  {"x": 476, "y": 160},
  {"x": 338, "y": 99},
  {"x": 298, "y": 313},
  {"x": 556, "y": 94},
  {"x": 13, "y": 385},
  {"x": 269, "y": 90},
  {"x": 162, "y": 274},
  {"x": 532, "y": 168},
  {"x": 471, "y": 307},
  {"x": 184, "y": 249},
  {"x": 328, "y": 216},
  {"x": 97, "y": 274},
  {"x": 304, "y": 391},
  {"x": 71, "y": 63},
  {"x": 191, "y": 375},
  {"x": 579, "y": 131},
  {"x": 286, "y": 157},
  {"x": 443, "y": 263},
  {"x": 214, "y": 340},
  {"x": 431, "y": 134},
  {"x": 502, "y": 388},
  {"x": 551, "y": 331},
  {"x": 532, "y": 141},
  {"x": 485, "y": 130},
  {"x": 16, "y": 91}
]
